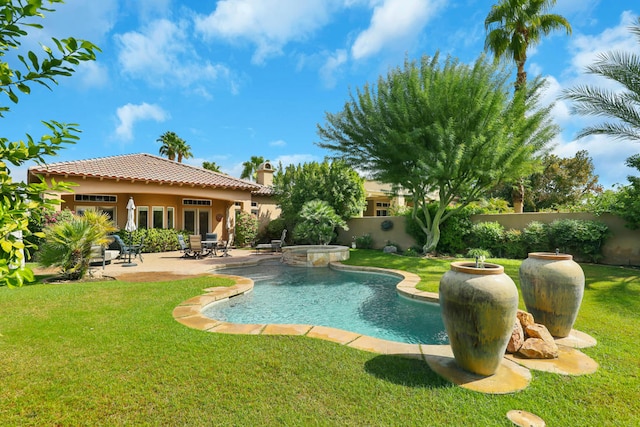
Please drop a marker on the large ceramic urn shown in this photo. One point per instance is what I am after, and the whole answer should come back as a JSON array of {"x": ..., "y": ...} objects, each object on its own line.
[
  {"x": 478, "y": 309},
  {"x": 552, "y": 286}
]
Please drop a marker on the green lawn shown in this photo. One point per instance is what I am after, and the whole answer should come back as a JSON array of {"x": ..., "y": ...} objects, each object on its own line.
[{"x": 110, "y": 353}]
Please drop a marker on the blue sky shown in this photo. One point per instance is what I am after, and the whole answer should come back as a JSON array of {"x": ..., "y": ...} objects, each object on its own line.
[{"x": 237, "y": 78}]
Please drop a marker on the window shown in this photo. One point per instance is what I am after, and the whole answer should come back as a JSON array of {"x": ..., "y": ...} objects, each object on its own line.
[
  {"x": 381, "y": 212},
  {"x": 382, "y": 205},
  {"x": 157, "y": 217},
  {"x": 95, "y": 198},
  {"x": 254, "y": 204},
  {"x": 143, "y": 217},
  {"x": 196, "y": 202},
  {"x": 170, "y": 217}
]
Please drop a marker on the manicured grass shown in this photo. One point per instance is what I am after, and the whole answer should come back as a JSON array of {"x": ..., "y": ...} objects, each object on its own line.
[{"x": 110, "y": 353}]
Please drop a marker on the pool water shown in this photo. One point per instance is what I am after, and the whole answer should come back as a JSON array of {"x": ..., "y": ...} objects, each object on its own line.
[{"x": 365, "y": 303}]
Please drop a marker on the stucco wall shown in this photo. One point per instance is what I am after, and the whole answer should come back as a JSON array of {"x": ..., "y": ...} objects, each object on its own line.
[
  {"x": 371, "y": 225},
  {"x": 621, "y": 248}
]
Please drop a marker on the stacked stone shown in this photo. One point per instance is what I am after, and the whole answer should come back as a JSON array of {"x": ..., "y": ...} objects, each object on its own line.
[{"x": 531, "y": 340}]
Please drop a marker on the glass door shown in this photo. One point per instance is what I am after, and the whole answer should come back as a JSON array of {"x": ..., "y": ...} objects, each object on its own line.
[{"x": 197, "y": 221}]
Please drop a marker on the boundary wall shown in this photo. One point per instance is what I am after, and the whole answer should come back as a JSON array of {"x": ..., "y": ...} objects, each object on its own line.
[{"x": 621, "y": 248}]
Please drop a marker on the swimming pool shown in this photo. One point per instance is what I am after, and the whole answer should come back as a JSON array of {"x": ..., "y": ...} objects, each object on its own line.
[{"x": 366, "y": 303}]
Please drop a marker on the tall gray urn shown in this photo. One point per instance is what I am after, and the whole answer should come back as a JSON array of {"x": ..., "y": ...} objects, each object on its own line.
[
  {"x": 478, "y": 308},
  {"x": 552, "y": 288}
]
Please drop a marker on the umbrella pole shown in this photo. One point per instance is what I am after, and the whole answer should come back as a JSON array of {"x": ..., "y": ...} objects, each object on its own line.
[{"x": 130, "y": 244}]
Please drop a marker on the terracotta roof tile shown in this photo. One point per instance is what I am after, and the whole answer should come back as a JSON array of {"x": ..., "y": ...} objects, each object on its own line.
[{"x": 145, "y": 167}]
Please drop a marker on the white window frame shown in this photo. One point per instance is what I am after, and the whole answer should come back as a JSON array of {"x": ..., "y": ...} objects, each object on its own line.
[
  {"x": 170, "y": 223},
  {"x": 142, "y": 209},
  {"x": 155, "y": 209}
]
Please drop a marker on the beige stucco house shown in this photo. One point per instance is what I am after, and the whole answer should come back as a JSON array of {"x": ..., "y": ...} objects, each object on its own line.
[{"x": 167, "y": 194}]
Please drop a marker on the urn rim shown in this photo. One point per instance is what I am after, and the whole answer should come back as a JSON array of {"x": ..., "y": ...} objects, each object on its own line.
[
  {"x": 550, "y": 256},
  {"x": 469, "y": 267}
]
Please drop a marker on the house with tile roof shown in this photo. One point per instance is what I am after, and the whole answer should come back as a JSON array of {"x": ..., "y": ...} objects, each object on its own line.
[{"x": 167, "y": 194}]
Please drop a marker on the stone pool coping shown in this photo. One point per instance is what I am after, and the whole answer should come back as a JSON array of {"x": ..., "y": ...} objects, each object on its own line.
[{"x": 512, "y": 375}]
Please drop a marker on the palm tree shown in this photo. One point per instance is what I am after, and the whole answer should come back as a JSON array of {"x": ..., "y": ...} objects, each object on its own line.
[
  {"x": 513, "y": 26},
  {"x": 623, "y": 105},
  {"x": 173, "y": 145},
  {"x": 212, "y": 166},
  {"x": 250, "y": 167}
]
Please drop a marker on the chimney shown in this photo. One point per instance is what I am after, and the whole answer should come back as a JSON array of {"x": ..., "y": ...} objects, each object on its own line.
[{"x": 264, "y": 174}]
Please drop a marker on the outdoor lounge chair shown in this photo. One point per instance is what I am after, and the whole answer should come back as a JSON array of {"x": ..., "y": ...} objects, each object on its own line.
[
  {"x": 274, "y": 246},
  {"x": 196, "y": 250}
]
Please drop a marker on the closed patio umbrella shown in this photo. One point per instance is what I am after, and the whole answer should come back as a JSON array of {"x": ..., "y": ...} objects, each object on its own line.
[{"x": 130, "y": 227}]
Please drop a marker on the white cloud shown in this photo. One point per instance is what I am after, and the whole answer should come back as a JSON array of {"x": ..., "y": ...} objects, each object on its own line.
[
  {"x": 608, "y": 156},
  {"x": 294, "y": 159},
  {"x": 278, "y": 143},
  {"x": 268, "y": 24},
  {"x": 92, "y": 74},
  {"x": 129, "y": 114},
  {"x": 332, "y": 66},
  {"x": 394, "y": 22},
  {"x": 161, "y": 54}
]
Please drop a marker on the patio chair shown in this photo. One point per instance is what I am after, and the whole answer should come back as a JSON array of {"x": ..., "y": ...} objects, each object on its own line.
[
  {"x": 196, "y": 250},
  {"x": 228, "y": 244},
  {"x": 183, "y": 245},
  {"x": 125, "y": 250}
]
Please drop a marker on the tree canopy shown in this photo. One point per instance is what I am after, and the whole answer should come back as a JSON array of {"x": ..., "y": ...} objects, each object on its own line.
[
  {"x": 514, "y": 26},
  {"x": 621, "y": 104},
  {"x": 440, "y": 126},
  {"x": 173, "y": 146},
  {"x": 250, "y": 167},
  {"x": 333, "y": 182},
  {"x": 212, "y": 166},
  {"x": 17, "y": 19}
]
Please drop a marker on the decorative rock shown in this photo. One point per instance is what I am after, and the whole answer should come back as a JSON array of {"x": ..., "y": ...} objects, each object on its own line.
[
  {"x": 536, "y": 348},
  {"x": 517, "y": 338},
  {"x": 539, "y": 331},
  {"x": 525, "y": 318},
  {"x": 390, "y": 249}
]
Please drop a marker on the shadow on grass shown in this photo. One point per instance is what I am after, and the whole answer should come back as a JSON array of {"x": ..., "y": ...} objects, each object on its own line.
[{"x": 405, "y": 372}]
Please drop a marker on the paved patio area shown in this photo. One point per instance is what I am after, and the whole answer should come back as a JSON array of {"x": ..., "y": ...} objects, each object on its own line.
[{"x": 174, "y": 263}]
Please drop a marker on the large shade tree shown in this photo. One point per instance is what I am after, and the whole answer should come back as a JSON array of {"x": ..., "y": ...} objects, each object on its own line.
[
  {"x": 333, "y": 182},
  {"x": 440, "y": 126},
  {"x": 58, "y": 59}
]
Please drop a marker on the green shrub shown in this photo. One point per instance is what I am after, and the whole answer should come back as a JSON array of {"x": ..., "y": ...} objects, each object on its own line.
[
  {"x": 155, "y": 239},
  {"x": 272, "y": 231},
  {"x": 246, "y": 228},
  {"x": 535, "y": 237},
  {"x": 583, "y": 239},
  {"x": 364, "y": 242},
  {"x": 487, "y": 235},
  {"x": 514, "y": 244}
]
